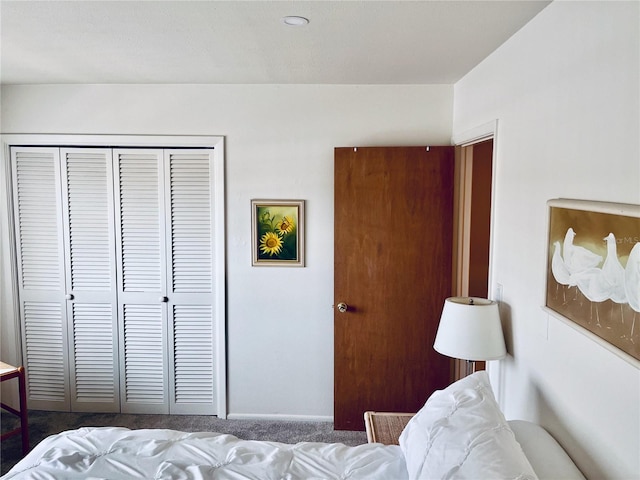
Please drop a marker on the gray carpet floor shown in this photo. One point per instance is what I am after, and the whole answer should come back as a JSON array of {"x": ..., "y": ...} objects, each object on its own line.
[{"x": 43, "y": 424}]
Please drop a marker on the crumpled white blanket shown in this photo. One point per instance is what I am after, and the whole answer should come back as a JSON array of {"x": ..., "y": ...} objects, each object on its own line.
[{"x": 120, "y": 453}]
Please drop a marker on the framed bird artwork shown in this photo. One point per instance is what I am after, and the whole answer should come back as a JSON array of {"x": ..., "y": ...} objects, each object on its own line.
[{"x": 593, "y": 270}]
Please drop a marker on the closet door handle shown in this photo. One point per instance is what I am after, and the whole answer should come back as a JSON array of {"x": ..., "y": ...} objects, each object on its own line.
[
  {"x": 164, "y": 299},
  {"x": 69, "y": 296}
]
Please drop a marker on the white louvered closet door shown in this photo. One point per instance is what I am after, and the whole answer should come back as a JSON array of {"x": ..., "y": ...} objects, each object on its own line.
[
  {"x": 192, "y": 324},
  {"x": 41, "y": 278},
  {"x": 142, "y": 295},
  {"x": 92, "y": 326},
  {"x": 119, "y": 266}
]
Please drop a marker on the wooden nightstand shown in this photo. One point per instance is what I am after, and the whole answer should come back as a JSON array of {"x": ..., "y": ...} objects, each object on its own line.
[
  {"x": 385, "y": 427},
  {"x": 8, "y": 372}
]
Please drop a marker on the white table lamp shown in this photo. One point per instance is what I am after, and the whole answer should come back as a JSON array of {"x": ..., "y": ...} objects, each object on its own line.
[{"x": 470, "y": 329}]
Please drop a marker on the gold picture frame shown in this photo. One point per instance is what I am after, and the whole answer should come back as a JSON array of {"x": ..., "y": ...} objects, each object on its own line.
[
  {"x": 277, "y": 233},
  {"x": 593, "y": 270}
]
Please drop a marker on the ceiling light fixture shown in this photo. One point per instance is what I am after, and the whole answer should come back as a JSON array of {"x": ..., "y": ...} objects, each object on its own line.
[{"x": 295, "y": 21}]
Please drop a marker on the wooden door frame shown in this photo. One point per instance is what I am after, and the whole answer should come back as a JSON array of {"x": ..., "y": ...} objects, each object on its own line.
[{"x": 463, "y": 181}]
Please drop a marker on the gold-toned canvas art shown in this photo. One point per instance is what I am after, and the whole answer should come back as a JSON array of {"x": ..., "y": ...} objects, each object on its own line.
[{"x": 593, "y": 270}]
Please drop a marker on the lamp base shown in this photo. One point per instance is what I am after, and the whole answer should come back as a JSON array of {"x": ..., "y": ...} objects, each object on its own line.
[{"x": 470, "y": 367}]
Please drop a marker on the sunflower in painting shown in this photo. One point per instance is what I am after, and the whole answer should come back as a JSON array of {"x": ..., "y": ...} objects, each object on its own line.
[
  {"x": 285, "y": 225},
  {"x": 271, "y": 243},
  {"x": 277, "y": 232}
]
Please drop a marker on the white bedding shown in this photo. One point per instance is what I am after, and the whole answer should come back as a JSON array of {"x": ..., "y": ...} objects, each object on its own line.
[
  {"x": 119, "y": 453},
  {"x": 460, "y": 433}
]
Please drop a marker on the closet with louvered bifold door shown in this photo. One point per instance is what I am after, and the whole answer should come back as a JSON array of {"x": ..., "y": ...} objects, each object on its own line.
[{"x": 116, "y": 278}]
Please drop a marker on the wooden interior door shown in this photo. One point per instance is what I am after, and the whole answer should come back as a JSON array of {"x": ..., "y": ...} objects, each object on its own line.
[{"x": 393, "y": 264}]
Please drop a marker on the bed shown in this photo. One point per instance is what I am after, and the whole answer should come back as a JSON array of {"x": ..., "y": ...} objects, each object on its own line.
[{"x": 459, "y": 433}]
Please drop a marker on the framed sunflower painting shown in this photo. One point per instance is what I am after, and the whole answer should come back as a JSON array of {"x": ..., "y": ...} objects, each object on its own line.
[{"x": 277, "y": 233}]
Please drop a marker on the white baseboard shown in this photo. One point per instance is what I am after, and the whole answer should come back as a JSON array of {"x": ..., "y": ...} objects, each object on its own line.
[{"x": 279, "y": 417}]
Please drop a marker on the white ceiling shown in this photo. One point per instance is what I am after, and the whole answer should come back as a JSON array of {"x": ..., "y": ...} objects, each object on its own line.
[{"x": 246, "y": 42}]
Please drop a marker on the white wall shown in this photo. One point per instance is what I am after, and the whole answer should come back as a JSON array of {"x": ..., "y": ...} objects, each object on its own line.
[
  {"x": 565, "y": 91},
  {"x": 279, "y": 144}
]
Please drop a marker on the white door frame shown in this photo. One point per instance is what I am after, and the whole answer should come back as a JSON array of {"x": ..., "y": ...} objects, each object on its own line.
[
  {"x": 469, "y": 137},
  {"x": 9, "y": 306}
]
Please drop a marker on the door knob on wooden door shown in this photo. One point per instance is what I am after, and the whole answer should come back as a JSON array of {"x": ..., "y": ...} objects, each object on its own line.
[{"x": 343, "y": 307}]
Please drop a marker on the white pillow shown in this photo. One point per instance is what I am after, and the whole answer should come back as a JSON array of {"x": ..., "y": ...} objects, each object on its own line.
[{"x": 460, "y": 433}]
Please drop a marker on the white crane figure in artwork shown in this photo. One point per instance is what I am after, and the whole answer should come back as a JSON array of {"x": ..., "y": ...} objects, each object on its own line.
[
  {"x": 577, "y": 258},
  {"x": 559, "y": 270},
  {"x": 593, "y": 286},
  {"x": 578, "y": 261},
  {"x": 613, "y": 273},
  {"x": 606, "y": 283},
  {"x": 632, "y": 283}
]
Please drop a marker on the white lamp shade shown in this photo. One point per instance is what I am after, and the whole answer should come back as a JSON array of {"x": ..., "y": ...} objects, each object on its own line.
[{"x": 470, "y": 329}]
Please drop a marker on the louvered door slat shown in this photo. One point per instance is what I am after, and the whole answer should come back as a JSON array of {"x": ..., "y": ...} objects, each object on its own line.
[
  {"x": 191, "y": 225},
  {"x": 89, "y": 204},
  {"x": 45, "y": 351},
  {"x": 193, "y": 355},
  {"x": 90, "y": 262},
  {"x": 39, "y": 246},
  {"x": 94, "y": 353},
  {"x": 37, "y": 210},
  {"x": 140, "y": 228},
  {"x": 190, "y": 220},
  {"x": 144, "y": 360},
  {"x": 142, "y": 280}
]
